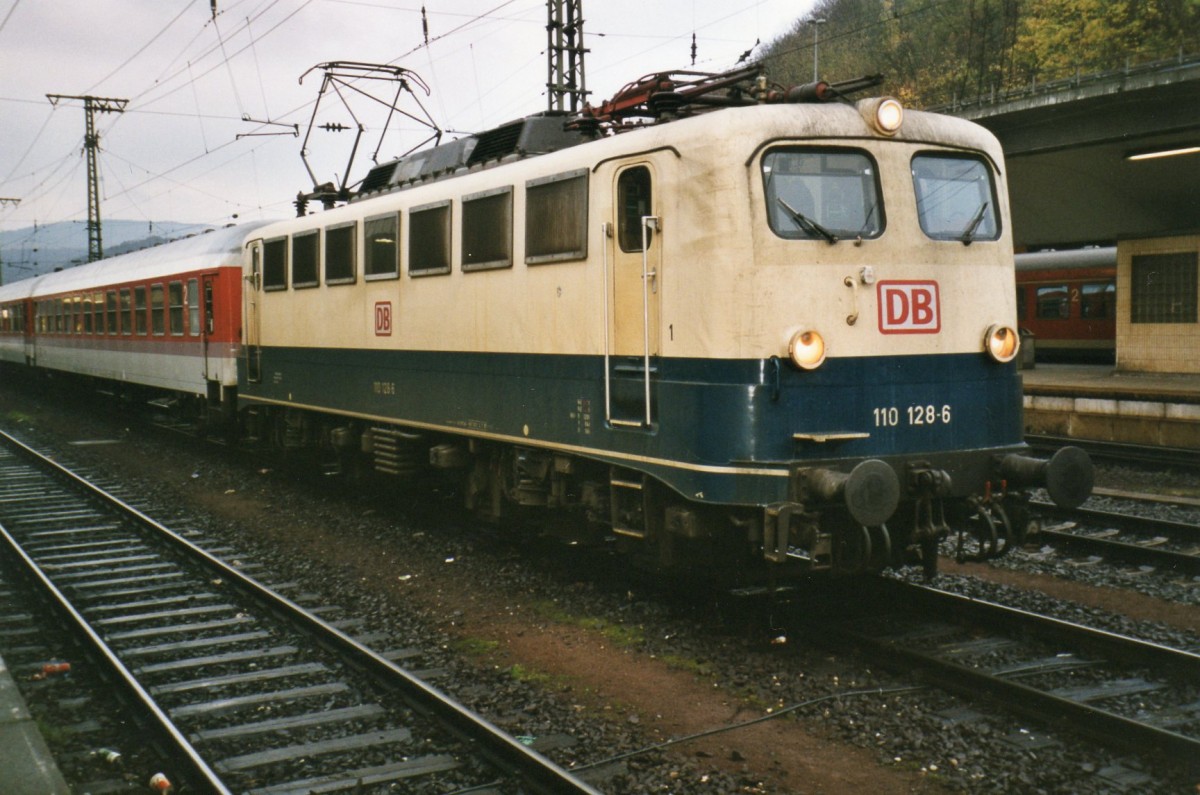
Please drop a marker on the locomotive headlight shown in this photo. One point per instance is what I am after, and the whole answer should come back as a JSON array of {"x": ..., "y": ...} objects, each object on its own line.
[
  {"x": 1002, "y": 342},
  {"x": 807, "y": 349},
  {"x": 885, "y": 115}
]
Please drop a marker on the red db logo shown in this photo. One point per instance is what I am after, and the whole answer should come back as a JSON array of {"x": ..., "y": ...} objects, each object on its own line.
[
  {"x": 909, "y": 308},
  {"x": 383, "y": 319}
]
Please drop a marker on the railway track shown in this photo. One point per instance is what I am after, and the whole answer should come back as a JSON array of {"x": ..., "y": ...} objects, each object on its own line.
[
  {"x": 1125, "y": 693},
  {"x": 249, "y": 691},
  {"x": 1113, "y": 536},
  {"x": 1120, "y": 452}
]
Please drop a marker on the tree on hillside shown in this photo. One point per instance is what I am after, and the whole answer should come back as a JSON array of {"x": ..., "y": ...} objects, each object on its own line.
[{"x": 939, "y": 51}]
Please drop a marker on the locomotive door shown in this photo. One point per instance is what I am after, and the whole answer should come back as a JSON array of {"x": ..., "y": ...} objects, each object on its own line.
[
  {"x": 635, "y": 264},
  {"x": 253, "y": 324}
]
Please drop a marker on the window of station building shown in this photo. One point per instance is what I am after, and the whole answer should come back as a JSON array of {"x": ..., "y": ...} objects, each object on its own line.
[
  {"x": 110, "y": 312},
  {"x": 820, "y": 194},
  {"x": 1098, "y": 301},
  {"x": 956, "y": 199},
  {"x": 339, "y": 253},
  {"x": 1053, "y": 302},
  {"x": 175, "y": 308},
  {"x": 1163, "y": 288},
  {"x": 127, "y": 311},
  {"x": 381, "y": 249},
  {"x": 193, "y": 305},
  {"x": 429, "y": 239},
  {"x": 306, "y": 256},
  {"x": 633, "y": 203},
  {"x": 139, "y": 310},
  {"x": 487, "y": 230},
  {"x": 275, "y": 264},
  {"x": 556, "y": 218}
]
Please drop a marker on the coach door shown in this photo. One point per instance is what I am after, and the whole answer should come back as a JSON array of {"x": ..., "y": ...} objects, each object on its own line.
[
  {"x": 633, "y": 251},
  {"x": 252, "y": 292},
  {"x": 203, "y": 315}
]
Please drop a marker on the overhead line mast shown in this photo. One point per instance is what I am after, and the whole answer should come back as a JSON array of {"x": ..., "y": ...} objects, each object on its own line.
[
  {"x": 91, "y": 146},
  {"x": 564, "y": 56}
]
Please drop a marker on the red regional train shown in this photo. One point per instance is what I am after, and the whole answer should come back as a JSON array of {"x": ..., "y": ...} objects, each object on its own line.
[{"x": 1068, "y": 299}]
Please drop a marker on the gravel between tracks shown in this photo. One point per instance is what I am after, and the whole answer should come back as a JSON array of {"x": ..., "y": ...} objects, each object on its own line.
[{"x": 538, "y": 644}]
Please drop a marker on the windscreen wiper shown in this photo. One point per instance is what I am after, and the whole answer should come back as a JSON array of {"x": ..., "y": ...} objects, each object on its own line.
[
  {"x": 807, "y": 224},
  {"x": 969, "y": 233}
]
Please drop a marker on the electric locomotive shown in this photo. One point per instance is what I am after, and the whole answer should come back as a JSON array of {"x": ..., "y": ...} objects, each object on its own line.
[
  {"x": 735, "y": 328},
  {"x": 730, "y": 326}
]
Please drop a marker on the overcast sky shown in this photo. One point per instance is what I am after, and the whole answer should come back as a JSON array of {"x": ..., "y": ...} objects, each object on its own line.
[{"x": 175, "y": 153}]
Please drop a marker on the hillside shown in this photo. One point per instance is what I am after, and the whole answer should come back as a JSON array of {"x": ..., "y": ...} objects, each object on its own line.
[{"x": 34, "y": 250}]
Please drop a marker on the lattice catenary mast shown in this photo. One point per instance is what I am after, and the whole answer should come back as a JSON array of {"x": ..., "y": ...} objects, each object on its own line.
[
  {"x": 91, "y": 146},
  {"x": 566, "y": 87}
]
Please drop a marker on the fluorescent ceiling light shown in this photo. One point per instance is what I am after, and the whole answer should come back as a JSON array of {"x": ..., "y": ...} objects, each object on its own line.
[{"x": 1153, "y": 153}]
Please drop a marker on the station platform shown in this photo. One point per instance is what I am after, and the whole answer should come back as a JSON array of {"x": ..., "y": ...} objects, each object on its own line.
[
  {"x": 28, "y": 767},
  {"x": 1097, "y": 402}
]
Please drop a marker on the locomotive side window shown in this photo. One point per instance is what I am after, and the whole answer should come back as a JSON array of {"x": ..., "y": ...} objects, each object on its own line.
[
  {"x": 306, "y": 253},
  {"x": 815, "y": 194},
  {"x": 339, "y": 253},
  {"x": 487, "y": 230},
  {"x": 556, "y": 218},
  {"x": 175, "y": 307},
  {"x": 429, "y": 239},
  {"x": 381, "y": 247},
  {"x": 275, "y": 264},
  {"x": 1053, "y": 302},
  {"x": 633, "y": 203},
  {"x": 956, "y": 199}
]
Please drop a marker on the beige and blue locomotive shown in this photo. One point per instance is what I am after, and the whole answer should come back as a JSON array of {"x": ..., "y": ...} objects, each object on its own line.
[{"x": 773, "y": 336}]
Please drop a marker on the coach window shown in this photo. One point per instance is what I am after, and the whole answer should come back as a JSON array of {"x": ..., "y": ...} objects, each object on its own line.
[
  {"x": 556, "y": 218},
  {"x": 1053, "y": 302},
  {"x": 98, "y": 309},
  {"x": 87, "y": 314},
  {"x": 381, "y": 247},
  {"x": 126, "y": 311},
  {"x": 110, "y": 311},
  {"x": 956, "y": 199},
  {"x": 822, "y": 194},
  {"x": 193, "y": 305},
  {"x": 59, "y": 323},
  {"x": 429, "y": 239},
  {"x": 306, "y": 253},
  {"x": 487, "y": 230},
  {"x": 139, "y": 310},
  {"x": 633, "y": 203},
  {"x": 175, "y": 307},
  {"x": 1098, "y": 301},
  {"x": 339, "y": 253},
  {"x": 275, "y": 264},
  {"x": 157, "y": 309}
]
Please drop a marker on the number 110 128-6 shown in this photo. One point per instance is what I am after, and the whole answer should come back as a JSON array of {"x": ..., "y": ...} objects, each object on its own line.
[{"x": 892, "y": 416}]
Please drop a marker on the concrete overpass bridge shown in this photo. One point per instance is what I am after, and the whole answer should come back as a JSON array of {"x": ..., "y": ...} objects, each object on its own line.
[{"x": 1069, "y": 146}]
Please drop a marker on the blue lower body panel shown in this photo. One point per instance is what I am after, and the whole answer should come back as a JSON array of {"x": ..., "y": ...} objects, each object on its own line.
[{"x": 721, "y": 431}]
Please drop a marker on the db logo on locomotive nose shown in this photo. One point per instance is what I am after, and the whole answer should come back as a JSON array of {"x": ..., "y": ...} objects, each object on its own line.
[{"x": 909, "y": 307}]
